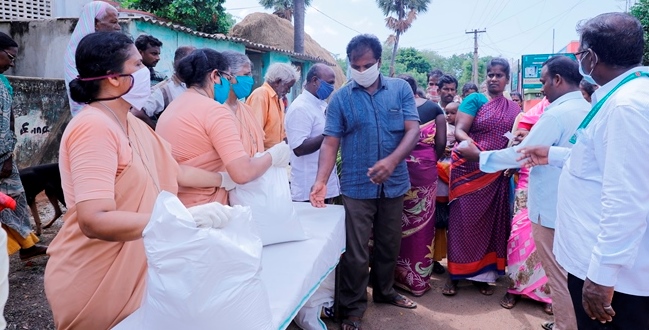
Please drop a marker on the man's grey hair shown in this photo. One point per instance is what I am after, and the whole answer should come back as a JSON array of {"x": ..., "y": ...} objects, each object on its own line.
[
  {"x": 236, "y": 60},
  {"x": 282, "y": 72}
]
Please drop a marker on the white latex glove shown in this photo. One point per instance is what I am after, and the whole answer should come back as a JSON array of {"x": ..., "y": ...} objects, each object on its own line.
[
  {"x": 280, "y": 153},
  {"x": 214, "y": 215},
  {"x": 226, "y": 181}
]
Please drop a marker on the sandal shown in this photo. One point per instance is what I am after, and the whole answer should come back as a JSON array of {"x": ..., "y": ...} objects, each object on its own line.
[
  {"x": 438, "y": 268},
  {"x": 484, "y": 287},
  {"x": 400, "y": 301},
  {"x": 352, "y": 323},
  {"x": 547, "y": 308},
  {"x": 509, "y": 300},
  {"x": 547, "y": 325},
  {"x": 450, "y": 288}
]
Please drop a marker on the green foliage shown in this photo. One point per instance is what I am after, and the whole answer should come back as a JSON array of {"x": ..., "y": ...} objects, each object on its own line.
[
  {"x": 281, "y": 4},
  {"x": 413, "y": 60},
  {"x": 641, "y": 11},
  {"x": 342, "y": 63},
  {"x": 468, "y": 66},
  {"x": 207, "y": 16},
  {"x": 418, "y": 63}
]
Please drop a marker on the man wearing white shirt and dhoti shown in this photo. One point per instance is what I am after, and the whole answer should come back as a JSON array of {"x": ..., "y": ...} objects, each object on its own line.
[
  {"x": 560, "y": 78},
  {"x": 601, "y": 236},
  {"x": 305, "y": 120}
]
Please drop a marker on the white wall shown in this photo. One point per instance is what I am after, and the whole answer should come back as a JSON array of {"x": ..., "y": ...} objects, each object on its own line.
[{"x": 67, "y": 8}]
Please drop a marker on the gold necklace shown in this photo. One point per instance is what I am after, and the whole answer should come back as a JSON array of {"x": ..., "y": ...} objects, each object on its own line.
[{"x": 131, "y": 144}]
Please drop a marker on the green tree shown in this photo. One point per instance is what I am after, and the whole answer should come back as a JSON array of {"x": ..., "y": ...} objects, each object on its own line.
[
  {"x": 342, "y": 63},
  {"x": 413, "y": 60},
  {"x": 207, "y": 16},
  {"x": 467, "y": 70},
  {"x": 641, "y": 11},
  {"x": 408, "y": 61},
  {"x": 405, "y": 12},
  {"x": 282, "y": 8}
]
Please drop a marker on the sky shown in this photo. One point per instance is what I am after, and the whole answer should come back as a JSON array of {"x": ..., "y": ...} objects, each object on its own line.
[{"x": 513, "y": 27}]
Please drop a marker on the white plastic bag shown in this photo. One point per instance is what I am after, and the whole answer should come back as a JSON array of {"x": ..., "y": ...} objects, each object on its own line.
[
  {"x": 308, "y": 317},
  {"x": 269, "y": 197},
  {"x": 201, "y": 278}
]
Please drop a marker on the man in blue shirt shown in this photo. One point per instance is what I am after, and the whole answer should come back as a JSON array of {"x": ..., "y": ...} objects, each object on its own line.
[{"x": 374, "y": 121}]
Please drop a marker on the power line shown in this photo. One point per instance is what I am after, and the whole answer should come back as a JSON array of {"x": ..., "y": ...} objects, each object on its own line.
[
  {"x": 566, "y": 13},
  {"x": 333, "y": 19}
]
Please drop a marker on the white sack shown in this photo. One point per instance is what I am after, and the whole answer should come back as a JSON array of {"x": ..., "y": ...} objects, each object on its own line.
[
  {"x": 201, "y": 278},
  {"x": 269, "y": 197}
]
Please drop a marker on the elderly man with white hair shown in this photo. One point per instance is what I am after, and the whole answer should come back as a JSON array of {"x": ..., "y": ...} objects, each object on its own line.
[{"x": 267, "y": 101}]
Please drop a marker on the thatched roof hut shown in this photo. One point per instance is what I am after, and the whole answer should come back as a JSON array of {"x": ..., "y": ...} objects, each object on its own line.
[{"x": 277, "y": 32}]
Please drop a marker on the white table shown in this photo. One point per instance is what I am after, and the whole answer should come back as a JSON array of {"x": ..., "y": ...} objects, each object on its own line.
[{"x": 293, "y": 271}]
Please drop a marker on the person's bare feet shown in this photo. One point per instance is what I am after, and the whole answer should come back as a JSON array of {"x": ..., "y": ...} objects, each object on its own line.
[
  {"x": 450, "y": 288},
  {"x": 351, "y": 323}
]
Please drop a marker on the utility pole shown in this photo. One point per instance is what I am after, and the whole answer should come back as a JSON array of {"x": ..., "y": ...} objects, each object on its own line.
[
  {"x": 475, "y": 32},
  {"x": 552, "y": 41}
]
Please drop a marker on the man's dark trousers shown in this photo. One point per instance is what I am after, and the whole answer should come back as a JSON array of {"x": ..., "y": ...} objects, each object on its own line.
[{"x": 380, "y": 217}]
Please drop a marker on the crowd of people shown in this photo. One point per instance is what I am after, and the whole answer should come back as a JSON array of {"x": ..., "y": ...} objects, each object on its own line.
[{"x": 542, "y": 197}]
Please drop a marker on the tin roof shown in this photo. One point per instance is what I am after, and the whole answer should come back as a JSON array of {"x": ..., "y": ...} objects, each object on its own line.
[{"x": 249, "y": 44}]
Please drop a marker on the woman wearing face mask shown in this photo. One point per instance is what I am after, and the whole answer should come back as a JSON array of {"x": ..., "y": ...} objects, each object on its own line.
[
  {"x": 205, "y": 133},
  {"x": 112, "y": 168},
  {"x": 252, "y": 134}
]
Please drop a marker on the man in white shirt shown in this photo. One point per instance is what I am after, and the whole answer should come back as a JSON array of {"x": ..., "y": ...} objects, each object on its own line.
[
  {"x": 166, "y": 91},
  {"x": 603, "y": 198},
  {"x": 560, "y": 78},
  {"x": 305, "y": 120}
]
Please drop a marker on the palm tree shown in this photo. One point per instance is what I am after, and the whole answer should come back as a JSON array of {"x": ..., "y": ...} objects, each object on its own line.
[
  {"x": 406, "y": 12},
  {"x": 283, "y": 8}
]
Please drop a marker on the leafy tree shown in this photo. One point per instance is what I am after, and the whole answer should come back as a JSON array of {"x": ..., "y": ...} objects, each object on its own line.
[
  {"x": 467, "y": 70},
  {"x": 410, "y": 57},
  {"x": 282, "y": 8},
  {"x": 641, "y": 11},
  {"x": 342, "y": 63},
  {"x": 406, "y": 12},
  {"x": 413, "y": 60},
  {"x": 207, "y": 16}
]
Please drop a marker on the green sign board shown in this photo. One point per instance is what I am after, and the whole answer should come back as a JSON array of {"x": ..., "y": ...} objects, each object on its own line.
[{"x": 531, "y": 67}]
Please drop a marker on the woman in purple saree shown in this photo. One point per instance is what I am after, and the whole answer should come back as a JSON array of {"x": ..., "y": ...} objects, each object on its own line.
[
  {"x": 480, "y": 212},
  {"x": 415, "y": 261}
]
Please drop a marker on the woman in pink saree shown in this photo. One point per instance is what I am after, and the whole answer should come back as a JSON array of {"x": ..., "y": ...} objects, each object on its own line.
[
  {"x": 415, "y": 261},
  {"x": 525, "y": 273}
]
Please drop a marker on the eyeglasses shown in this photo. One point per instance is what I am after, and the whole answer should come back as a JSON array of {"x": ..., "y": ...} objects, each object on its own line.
[
  {"x": 580, "y": 55},
  {"x": 12, "y": 58},
  {"x": 226, "y": 75}
]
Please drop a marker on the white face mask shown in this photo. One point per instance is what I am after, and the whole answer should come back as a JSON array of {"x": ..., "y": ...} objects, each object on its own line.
[
  {"x": 141, "y": 90},
  {"x": 367, "y": 77}
]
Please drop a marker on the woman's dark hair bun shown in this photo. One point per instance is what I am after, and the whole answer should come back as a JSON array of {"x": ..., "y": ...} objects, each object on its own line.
[{"x": 196, "y": 66}]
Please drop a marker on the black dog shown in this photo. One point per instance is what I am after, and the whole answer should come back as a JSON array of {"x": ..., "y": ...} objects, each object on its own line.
[{"x": 38, "y": 178}]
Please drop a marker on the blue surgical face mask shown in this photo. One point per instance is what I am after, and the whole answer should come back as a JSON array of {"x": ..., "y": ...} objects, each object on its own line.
[
  {"x": 324, "y": 90},
  {"x": 243, "y": 87},
  {"x": 222, "y": 90},
  {"x": 588, "y": 76}
]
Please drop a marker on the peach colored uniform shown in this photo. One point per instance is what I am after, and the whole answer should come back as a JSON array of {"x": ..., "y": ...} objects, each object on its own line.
[
  {"x": 91, "y": 283},
  {"x": 203, "y": 134},
  {"x": 268, "y": 108}
]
